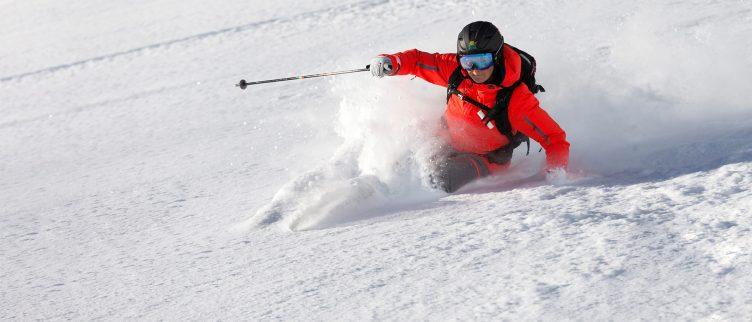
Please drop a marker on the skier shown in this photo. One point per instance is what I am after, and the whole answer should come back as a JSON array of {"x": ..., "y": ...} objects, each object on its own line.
[{"x": 490, "y": 104}]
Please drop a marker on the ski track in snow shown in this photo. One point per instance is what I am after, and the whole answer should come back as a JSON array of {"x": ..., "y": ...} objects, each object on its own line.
[
  {"x": 312, "y": 15},
  {"x": 138, "y": 183}
]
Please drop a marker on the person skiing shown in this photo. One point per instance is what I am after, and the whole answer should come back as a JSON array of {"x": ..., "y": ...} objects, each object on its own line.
[{"x": 489, "y": 112}]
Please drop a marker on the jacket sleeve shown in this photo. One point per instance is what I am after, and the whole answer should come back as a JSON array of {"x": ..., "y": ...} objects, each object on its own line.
[
  {"x": 529, "y": 118},
  {"x": 434, "y": 68}
]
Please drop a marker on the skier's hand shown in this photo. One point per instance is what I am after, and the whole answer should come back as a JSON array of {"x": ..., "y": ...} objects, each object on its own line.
[{"x": 381, "y": 66}]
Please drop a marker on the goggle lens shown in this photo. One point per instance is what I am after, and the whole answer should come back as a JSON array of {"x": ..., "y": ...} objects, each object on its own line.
[{"x": 476, "y": 61}]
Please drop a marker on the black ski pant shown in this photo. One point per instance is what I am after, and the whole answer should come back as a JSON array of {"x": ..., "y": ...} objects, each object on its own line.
[{"x": 459, "y": 169}]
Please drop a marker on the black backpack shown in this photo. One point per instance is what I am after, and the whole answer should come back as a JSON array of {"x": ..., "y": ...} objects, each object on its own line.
[{"x": 500, "y": 111}]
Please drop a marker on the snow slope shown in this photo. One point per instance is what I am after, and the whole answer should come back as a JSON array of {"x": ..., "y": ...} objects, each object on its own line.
[{"x": 137, "y": 183}]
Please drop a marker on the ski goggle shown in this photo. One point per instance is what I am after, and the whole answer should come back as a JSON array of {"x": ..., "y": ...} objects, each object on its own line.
[{"x": 477, "y": 61}]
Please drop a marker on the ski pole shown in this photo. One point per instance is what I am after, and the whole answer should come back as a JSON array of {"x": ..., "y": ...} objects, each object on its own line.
[{"x": 243, "y": 84}]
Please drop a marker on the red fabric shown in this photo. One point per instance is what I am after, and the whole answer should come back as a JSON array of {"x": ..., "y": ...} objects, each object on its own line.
[{"x": 467, "y": 133}]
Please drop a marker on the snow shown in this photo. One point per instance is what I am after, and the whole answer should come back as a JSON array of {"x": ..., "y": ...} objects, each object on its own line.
[{"x": 138, "y": 183}]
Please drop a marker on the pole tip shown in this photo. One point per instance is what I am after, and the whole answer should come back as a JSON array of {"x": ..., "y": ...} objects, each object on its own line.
[{"x": 243, "y": 84}]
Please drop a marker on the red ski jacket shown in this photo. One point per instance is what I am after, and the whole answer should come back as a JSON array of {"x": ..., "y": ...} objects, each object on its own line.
[{"x": 467, "y": 133}]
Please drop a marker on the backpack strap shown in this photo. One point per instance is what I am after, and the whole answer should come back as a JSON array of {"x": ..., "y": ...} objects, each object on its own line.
[
  {"x": 500, "y": 110},
  {"x": 454, "y": 82},
  {"x": 500, "y": 114}
]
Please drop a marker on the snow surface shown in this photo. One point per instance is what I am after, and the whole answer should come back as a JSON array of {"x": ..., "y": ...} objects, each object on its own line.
[{"x": 138, "y": 183}]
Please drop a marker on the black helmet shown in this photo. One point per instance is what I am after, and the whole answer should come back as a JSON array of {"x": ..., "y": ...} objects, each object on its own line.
[{"x": 479, "y": 37}]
